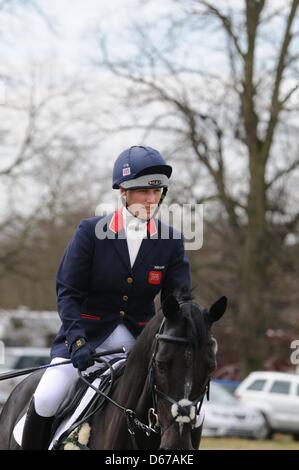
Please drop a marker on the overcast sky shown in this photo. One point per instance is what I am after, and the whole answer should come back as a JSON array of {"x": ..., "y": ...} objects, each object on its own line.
[
  {"x": 66, "y": 38},
  {"x": 74, "y": 23}
]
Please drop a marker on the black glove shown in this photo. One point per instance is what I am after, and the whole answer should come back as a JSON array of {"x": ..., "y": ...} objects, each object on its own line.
[{"x": 82, "y": 354}]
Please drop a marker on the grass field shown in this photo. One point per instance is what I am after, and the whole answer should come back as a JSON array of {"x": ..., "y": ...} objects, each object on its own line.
[{"x": 279, "y": 442}]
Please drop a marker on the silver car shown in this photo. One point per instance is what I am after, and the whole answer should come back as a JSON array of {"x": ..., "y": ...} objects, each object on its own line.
[
  {"x": 16, "y": 358},
  {"x": 276, "y": 396},
  {"x": 225, "y": 416}
]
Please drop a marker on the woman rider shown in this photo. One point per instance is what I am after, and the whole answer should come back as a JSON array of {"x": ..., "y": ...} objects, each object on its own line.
[{"x": 111, "y": 271}]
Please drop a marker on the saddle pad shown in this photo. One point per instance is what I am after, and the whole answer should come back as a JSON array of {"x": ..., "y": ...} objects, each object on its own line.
[{"x": 67, "y": 423}]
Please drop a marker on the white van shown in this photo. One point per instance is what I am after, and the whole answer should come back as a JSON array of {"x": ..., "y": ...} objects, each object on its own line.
[{"x": 276, "y": 395}]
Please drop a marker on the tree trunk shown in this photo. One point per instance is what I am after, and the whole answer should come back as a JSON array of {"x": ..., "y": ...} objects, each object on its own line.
[{"x": 254, "y": 272}]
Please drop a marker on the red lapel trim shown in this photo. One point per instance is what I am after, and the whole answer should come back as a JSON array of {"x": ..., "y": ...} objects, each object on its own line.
[
  {"x": 152, "y": 227},
  {"x": 116, "y": 223}
]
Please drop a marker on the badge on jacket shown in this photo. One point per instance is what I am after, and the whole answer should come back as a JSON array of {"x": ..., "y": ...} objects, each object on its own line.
[{"x": 154, "y": 277}]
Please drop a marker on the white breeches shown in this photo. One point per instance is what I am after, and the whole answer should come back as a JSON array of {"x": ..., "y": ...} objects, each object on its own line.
[{"x": 56, "y": 381}]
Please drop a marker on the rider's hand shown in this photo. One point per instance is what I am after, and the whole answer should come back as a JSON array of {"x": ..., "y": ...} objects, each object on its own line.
[{"x": 82, "y": 354}]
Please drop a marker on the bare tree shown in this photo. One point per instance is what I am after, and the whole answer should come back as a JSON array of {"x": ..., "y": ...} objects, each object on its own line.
[
  {"x": 48, "y": 150},
  {"x": 47, "y": 174},
  {"x": 238, "y": 126}
]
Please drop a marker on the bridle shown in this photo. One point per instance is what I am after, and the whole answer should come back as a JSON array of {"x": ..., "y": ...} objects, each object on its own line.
[{"x": 183, "y": 411}]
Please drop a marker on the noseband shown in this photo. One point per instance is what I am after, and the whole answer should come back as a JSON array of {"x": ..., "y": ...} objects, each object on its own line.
[{"x": 183, "y": 411}]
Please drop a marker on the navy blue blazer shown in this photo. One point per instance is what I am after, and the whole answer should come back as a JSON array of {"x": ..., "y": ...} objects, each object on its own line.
[{"x": 97, "y": 289}]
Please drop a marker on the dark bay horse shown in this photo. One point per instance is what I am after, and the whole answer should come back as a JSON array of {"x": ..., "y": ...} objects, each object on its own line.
[{"x": 168, "y": 371}]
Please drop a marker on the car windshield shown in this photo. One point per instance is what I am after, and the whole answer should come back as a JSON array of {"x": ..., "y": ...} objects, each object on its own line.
[{"x": 219, "y": 395}]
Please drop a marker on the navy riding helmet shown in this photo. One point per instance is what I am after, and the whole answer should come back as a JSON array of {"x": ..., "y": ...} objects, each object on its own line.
[{"x": 140, "y": 168}]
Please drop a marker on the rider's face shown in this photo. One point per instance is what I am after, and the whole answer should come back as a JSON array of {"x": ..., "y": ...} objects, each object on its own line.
[{"x": 142, "y": 202}]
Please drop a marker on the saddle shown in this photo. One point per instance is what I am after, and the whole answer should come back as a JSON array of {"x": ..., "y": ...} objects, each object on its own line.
[{"x": 82, "y": 402}]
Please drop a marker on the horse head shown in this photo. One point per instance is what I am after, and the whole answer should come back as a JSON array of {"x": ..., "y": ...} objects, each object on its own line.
[{"x": 183, "y": 359}]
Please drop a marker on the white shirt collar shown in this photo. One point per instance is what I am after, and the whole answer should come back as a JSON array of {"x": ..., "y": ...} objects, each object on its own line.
[{"x": 133, "y": 224}]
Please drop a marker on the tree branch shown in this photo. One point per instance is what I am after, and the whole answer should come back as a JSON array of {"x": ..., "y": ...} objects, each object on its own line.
[
  {"x": 284, "y": 100},
  {"x": 283, "y": 172},
  {"x": 227, "y": 24},
  {"x": 198, "y": 142},
  {"x": 291, "y": 225},
  {"x": 281, "y": 65}
]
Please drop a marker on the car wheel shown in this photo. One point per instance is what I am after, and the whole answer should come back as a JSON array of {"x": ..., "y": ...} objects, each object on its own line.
[
  {"x": 265, "y": 432},
  {"x": 262, "y": 433}
]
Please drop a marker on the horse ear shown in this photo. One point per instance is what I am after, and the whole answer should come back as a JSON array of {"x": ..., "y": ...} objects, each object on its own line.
[
  {"x": 170, "y": 307},
  {"x": 217, "y": 309}
]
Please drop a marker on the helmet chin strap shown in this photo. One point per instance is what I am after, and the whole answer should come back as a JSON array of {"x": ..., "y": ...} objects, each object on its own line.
[{"x": 164, "y": 192}]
